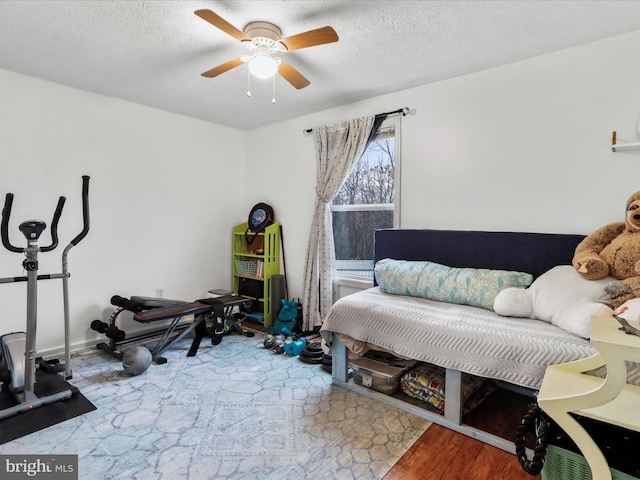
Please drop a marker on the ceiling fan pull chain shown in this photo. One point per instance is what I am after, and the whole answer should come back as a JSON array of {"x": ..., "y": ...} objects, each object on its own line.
[
  {"x": 248, "y": 83},
  {"x": 273, "y": 100}
]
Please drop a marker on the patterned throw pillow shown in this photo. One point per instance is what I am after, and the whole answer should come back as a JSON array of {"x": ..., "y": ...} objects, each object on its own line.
[{"x": 464, "y": 286}]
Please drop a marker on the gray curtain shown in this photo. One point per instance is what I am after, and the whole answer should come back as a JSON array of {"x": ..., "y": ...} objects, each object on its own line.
[{"x": 338, "y": 149}]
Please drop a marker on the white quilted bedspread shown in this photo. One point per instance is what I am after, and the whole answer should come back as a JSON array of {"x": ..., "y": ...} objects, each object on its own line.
[{"x": 469, "y": 339}]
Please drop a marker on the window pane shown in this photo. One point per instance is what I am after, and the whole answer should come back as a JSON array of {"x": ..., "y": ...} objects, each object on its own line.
[
  {"x": 353, "y": 237},
  {"x": 371, "y": 182},
  {"x": 372, "y": 178}
]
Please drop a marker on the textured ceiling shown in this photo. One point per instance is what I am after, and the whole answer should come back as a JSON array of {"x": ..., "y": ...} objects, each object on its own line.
[{"x": 153, "y": 52}]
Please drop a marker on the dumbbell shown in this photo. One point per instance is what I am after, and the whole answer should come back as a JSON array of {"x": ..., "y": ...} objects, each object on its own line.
[
  {"x": 287, "y": 332},
  {"x": 270, "y": 339},
  {"x": 280, "y": 342},
  {"x": 295, "y": 347}
]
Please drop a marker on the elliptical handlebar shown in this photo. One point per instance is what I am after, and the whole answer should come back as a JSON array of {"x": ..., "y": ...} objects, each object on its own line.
[
  {"x": 4, "y": 228},
  {"x": 54, "y": 226},
  {"x": 85, "y": 211},
  {"x": 6, "y": 214}
]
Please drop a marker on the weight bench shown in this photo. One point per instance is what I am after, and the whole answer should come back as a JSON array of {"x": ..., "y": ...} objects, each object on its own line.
[{"x": 148, "y": 309}]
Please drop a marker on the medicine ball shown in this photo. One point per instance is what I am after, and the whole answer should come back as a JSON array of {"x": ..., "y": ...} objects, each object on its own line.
[{"x": 136, "y": 360}]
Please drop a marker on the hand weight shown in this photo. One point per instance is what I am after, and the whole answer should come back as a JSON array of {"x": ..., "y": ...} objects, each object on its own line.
[{"x": 295, "y": 347}]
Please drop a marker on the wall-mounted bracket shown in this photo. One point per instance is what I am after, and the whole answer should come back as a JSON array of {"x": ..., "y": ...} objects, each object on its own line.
[{"x": 623, "y": 147}]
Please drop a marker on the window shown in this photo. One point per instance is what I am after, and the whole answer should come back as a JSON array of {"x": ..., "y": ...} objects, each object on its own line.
[{"x": 366, "y": 202}]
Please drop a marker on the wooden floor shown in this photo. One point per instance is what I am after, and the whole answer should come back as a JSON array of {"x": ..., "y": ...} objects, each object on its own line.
[{"x": 442, "y": 454}]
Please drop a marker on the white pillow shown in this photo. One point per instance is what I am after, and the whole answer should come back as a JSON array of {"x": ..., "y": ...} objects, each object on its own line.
[{"x": 560, "y": 296}]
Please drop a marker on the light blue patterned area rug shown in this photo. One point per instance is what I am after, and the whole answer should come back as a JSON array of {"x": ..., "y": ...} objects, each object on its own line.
[{"x": 234, "y": 411}]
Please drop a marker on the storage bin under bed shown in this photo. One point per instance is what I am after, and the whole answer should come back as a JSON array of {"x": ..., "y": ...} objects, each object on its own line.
[
  {"x": 426, "y": 382},
  {"x": 378, "y": 376}
]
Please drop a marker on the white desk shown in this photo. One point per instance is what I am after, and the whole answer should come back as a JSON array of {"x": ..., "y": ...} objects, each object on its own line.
[{"x": 565, "y": 389}]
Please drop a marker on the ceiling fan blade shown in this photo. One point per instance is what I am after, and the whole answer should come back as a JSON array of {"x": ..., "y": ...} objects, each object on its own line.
[
  {"x": 222, "y": 24},
  {"x": 225, "y": 67},
  {"x": 319, "y": 36},
  {"x": 292, "y": 76}
]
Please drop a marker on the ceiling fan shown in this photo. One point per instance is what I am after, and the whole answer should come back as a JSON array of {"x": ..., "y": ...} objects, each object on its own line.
[{"x": 263, "y": 40}]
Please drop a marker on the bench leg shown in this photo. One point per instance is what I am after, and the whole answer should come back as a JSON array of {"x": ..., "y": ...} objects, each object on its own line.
[
  {"x": 340, "y": 368},
  {"x": 453, "y": 396},
  {"x": 201, "y": 332}
]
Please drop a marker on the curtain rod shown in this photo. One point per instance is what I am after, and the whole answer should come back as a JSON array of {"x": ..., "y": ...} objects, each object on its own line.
[{"x": 401, "y": 111}]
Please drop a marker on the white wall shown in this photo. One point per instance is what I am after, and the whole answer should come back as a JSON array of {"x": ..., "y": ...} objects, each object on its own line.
[
  {"x": 524, "y": 147},
  {"x": 162, "y": 195}
]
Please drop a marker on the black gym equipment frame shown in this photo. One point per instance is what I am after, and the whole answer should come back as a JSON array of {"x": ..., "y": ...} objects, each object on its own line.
[{"x": 147, "y": 310}]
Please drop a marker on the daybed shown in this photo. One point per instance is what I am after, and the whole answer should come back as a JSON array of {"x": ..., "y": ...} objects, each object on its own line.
[{"x": 513, "y": 351}]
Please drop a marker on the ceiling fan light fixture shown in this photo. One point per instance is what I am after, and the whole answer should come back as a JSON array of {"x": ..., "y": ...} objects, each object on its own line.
[{"x": 263, "y": 65}]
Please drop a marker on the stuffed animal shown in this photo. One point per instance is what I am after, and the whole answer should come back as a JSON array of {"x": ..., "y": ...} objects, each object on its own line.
[
  {"x": 559, "y": 296},
  {"x": 614, "y": 250}
]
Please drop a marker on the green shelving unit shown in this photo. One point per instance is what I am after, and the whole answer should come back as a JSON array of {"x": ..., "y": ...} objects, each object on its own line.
[{"x": 255, "y": 261}]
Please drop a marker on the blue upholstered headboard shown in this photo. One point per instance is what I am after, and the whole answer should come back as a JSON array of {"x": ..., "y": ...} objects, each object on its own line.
[{"x": 533, "y": 253}]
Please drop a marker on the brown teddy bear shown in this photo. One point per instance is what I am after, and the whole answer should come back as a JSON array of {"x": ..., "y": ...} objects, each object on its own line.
[{"x": 614, "y": 250}]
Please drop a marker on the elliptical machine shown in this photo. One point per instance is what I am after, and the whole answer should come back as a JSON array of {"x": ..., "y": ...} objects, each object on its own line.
[{"x": 18, "y": 349}]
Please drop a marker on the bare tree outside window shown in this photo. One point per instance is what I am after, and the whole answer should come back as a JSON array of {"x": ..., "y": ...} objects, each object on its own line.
[{"x": 365, "y": 203}]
